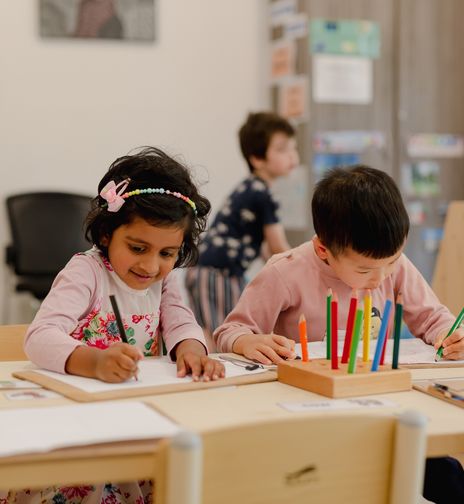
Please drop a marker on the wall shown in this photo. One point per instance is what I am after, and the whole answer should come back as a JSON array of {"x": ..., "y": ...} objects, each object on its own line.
[{"x": 70, "y": 107}]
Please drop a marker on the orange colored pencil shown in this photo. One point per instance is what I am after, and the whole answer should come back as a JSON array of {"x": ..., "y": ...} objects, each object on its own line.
[{"x": 303, "y": 338}]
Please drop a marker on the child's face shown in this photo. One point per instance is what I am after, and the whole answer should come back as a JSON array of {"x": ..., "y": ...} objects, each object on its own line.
[
  {"x": 356, "y": 270},
  {"x": 142, "y": 254},
  {"x": 281, "y": 158}
]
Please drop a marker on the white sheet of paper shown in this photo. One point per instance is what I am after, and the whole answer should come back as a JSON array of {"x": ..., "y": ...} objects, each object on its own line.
[
  {"x": 338, "y": 404},
  {"x": 342, "y": 79},
  {"x": 152, "y": 372},
  {"x": 412, "y": 351},
  {"x": 44, "y": 429}
]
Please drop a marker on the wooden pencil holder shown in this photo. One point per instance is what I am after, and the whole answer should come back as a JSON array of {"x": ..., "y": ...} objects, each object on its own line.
[{"x": 318, "y": 376}]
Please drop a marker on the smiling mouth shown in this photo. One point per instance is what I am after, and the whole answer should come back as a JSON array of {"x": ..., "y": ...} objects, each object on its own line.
[{"x": 141, "y": 276}]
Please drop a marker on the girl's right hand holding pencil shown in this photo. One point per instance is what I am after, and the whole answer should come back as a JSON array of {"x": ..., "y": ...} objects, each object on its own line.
[
  {"x": 265, "y": 348},
  {"x": 115, "y": 364}
]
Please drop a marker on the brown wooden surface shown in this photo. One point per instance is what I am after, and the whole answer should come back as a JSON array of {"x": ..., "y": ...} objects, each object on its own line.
[
  {"x": 11, "y": 342},
  {"x": 317, "y": 376},
  {"x": 82, "y": 396}
]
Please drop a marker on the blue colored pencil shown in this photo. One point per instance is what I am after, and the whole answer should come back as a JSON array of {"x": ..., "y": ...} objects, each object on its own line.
[{"x": 381, "y": 337}]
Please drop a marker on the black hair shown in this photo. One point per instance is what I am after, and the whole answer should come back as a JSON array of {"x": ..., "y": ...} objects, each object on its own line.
[
  {"x": 257, "y": 131},
  {"x": 361, "y": 208},
  {"x": 151, "y": 168}
]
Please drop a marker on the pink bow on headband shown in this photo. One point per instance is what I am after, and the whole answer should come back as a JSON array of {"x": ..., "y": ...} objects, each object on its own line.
[{"x": 112, "y": 196}]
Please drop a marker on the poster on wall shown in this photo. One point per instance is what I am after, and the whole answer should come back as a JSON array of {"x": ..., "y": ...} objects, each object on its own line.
[
  {"x": 98, "y": 19},
  {"x": 292, "y": 101},
  {"x": 348, "y": 140},
  {"x": 435, "y": 145},
  {"x": 345, "y": 37},
  {"x": 342, "y": 79},
  {"x": 323, "y": 162},
  {"x": 421, "y": 178},
  {"x": 283, "y": 54}
]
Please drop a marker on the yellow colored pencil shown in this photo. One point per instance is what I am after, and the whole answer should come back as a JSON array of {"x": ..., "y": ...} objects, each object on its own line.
[{"x": 367, "y": 325}]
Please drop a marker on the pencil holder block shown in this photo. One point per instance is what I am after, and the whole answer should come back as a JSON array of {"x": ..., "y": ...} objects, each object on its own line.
[{"x": 318, "y": 376}]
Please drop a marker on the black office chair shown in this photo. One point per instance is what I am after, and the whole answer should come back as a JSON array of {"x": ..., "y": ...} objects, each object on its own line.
[{"x": 47, "y": 228}]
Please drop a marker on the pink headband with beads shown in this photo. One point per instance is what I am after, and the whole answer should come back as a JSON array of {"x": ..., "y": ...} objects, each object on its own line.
[{"x": 115, "y": 196}]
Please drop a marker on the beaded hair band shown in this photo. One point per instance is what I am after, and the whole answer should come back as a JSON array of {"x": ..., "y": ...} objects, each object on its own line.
[{"x": 116, "y": 198}]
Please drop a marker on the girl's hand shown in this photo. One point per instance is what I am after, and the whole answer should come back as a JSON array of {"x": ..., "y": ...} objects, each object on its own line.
[
  {"x": 192, "y": 358},
  {"x": 453, "y": 346},
  {"x": 117, "y": 363},
  {"x": 265, "y": 348}
]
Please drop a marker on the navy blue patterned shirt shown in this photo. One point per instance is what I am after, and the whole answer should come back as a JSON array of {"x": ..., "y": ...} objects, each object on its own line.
[{"x": 235, "y": 237}]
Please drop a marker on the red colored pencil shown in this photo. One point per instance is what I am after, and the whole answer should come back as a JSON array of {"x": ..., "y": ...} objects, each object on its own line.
[
  {"x": 334, "y": 332},
  {"x": 349, "y": 326},
  {"x": 382, "y": 357}
]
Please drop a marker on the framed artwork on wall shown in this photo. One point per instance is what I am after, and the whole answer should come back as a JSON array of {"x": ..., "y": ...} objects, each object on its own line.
[{"x": 98, "y": 19}]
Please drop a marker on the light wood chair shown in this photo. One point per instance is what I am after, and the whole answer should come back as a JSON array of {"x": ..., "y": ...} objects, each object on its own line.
[
  {"x": 11, "y": 342},
  {"x": 321, "y": 460}
]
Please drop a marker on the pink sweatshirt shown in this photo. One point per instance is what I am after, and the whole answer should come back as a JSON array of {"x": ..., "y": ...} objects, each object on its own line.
[
  {"x": 77, "y": 311},
  {"x": 296, "y": 282}
]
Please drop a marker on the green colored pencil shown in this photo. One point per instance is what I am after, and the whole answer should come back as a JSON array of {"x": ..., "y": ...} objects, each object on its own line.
[
  {"x": 355, "y": 341},
  {"x": 456, "y": 324},
  {"x": 397, "y": 331}
]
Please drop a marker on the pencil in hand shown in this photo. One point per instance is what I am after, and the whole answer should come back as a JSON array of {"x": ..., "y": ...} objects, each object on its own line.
[
  {"x": 122, "y": 331},
  {"x": 457, "y": 323},
  {"x": 117, "y": 314}
]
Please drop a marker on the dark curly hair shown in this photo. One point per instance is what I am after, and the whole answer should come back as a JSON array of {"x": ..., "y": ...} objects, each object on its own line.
[{"x": 151, "y": 168}]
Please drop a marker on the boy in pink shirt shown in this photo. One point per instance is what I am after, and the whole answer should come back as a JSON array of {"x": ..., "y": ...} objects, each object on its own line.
[{"x": 361, "y": 228}]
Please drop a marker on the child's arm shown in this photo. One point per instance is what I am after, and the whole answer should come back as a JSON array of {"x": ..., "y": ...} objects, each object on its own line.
[
  {"x": 424, "y": 315},
  {"x": 275, "y": 239},
  {"x": 183, "y": 336},
  {"x": 115, "y": 364},
  {"x": 248, "y": 329}
]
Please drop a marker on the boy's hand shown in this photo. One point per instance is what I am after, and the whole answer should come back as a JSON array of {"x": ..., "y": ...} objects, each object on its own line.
[
  {"x": 192, "y": 358},
  {"x": 117, "y": 363},
  {"x": 265, "y": 348},
  {"x": 453, "y": 346}
]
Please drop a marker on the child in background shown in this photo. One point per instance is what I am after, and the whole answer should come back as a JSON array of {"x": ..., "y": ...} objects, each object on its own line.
[
  {"x": 247, "y": 219},
  {"x": 361, "y": 228},
  {"x": 145, "y": 221}
]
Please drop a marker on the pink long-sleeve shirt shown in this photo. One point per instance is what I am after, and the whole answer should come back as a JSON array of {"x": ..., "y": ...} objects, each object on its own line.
[
  {"x": 296, "y": 282},
  {"x": 77, "y": 311}
]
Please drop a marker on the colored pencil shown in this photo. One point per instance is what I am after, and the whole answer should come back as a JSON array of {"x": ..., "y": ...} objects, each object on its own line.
[
  {"x": 334, "y": 331},
  {"x": 384, "y": 347},
  {"x": 303, "y": 338},
  {"x": 328, "y": 323},
  {"x": 355, "y": 341},
  {"x": 349, "y": 326},
  {"x": 122, "y": 331},
  {"x": 367, "y": 325},
  {"x": 456, "y": 324},
  {"x": 397, "y": 330},
  {"x": 382, "y": 334}
]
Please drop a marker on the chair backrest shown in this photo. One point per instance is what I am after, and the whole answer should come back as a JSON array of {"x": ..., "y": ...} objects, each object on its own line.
[
  {"x": 321, "y": 460},
  {"x": 11, "y": 342},
  {"x": 47, "y": 228}
]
